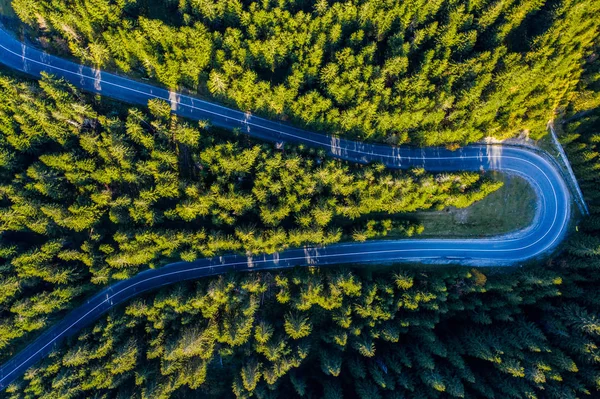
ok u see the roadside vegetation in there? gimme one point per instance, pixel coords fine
(510, 208)
(94, 191)
(530, 332)
(334, 333)
(423, 72)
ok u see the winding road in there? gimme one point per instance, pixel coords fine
(547, 230)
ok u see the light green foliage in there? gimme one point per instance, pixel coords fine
(86, 197)
(297, 326)
(89, 198)
(427, 72)
(473, 335)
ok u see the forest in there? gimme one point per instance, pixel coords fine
(92, 191)
(381, 332)
(442, 72)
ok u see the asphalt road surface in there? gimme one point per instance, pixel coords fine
(547, 230)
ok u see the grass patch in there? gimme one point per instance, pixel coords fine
(6, 10)
(510, 208)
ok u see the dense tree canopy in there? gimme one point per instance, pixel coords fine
(92, 192)
(339, 333)
(442, 72)
(530, 332)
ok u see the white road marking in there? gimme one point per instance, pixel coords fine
(336, 149)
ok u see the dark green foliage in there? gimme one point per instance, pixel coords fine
(227, 336)
(441, 72)
(90, 196)
(92, 193)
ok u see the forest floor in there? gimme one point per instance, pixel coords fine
(510, 208)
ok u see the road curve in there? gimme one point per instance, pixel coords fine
(547, 230)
